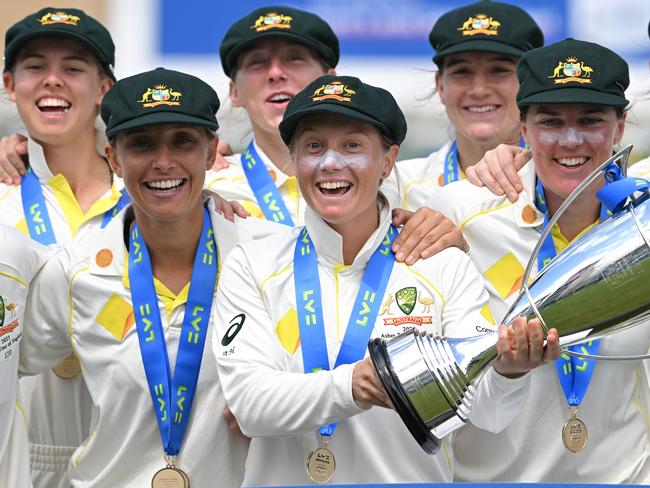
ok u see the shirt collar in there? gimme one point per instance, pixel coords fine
(329, 243)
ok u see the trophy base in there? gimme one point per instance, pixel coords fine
(403, 406)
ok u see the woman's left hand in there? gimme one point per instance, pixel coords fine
(228, 208)
(424, 233)
(367, 389)
(521, 347)
(233, 424)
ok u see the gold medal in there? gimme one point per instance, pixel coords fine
(321, 464)
(185, 477)
(574, 433)
(68, 368)
(170, 477)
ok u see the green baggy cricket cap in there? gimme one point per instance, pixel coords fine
(160, 96)
(572, 71)
(485, 26)
(64, 22)
(348, 96)
(284, 22)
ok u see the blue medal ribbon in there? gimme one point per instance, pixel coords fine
(574, 373)
(452, 171)
(122, 202)
(35, 210)
(266, 193)
(172, 399)
(452, 165)
(38, 218)
(364, 312)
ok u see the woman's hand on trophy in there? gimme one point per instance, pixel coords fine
(367, 389)
(521, 347)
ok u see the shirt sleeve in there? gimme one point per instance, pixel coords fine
(498, 400)
(46, 341)
(264, 395)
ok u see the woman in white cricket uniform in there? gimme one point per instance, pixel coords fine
(140, 321)
(58, 65)
(20, 260)
(309, 299)
(477, 48)
(571, 119)
(270, 55)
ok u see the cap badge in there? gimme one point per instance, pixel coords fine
(160, 95)
(59, 18)
(272, 20)
(336, 90)
(481, 24)
(571, 70)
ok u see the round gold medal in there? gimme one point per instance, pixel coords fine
(574, 434)
(170, 478)
(321, 465)
(187, 479)
(68, 368)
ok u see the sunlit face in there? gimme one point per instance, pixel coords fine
(569, 142)
(479, 90)
(269, 74)
(340, 164)
(163, 167)
(57, 85)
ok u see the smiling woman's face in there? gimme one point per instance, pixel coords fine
(569, 142)
(57, 84)
(340, 164)
(268, 75)
(478, 90)
(163, 167)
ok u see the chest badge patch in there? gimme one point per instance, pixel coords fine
(406, 299)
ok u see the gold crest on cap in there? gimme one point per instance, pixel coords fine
(59, 18)
(336, 90)
(160, 95)
(481, 24)
(571, 70)
(272, 20)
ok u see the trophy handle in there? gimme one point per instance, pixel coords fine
(622, 157)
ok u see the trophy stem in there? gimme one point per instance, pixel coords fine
(430, 380)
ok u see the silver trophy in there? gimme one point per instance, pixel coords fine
(597, 286)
